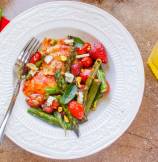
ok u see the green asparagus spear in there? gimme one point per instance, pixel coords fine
(101, 77)
(60, 80)
(73, 121)
(53, 90)
(103, 87)
(98, 96)
(63, 124)
(92, 94)
(95, 68)
(69, 94)
(55, 119)
(70, 59)
(44, 116)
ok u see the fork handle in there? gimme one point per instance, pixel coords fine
(9, 110)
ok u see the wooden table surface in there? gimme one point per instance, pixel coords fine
(140, 142)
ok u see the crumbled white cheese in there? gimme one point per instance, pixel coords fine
(82, 56)
(80, 97)
(50, 100)
(69, 77)
(69, 41)
(48, 59)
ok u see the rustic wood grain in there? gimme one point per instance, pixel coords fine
(140, 142)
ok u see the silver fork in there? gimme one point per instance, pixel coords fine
(19, 70)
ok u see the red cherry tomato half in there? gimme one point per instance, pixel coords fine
(35, 57)
(85, 74)
(76, 109)
(3, 22)
(86, 48)
(55, 104)
(76, 69)
(86, 62)
(35, 100)
(98, 51)
(48, 109)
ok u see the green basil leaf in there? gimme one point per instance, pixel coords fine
(78, 42)
(69, 94)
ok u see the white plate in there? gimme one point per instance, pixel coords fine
(125, 74)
